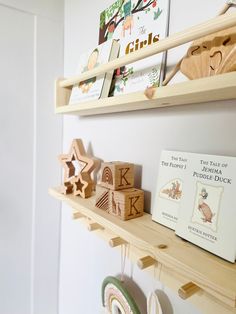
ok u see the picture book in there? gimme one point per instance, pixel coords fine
(95, 87)
(169, 190)
(208, 206)
(136, 24)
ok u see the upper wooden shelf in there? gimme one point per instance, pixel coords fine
(202, 90)
(219, 87)
(212, 274)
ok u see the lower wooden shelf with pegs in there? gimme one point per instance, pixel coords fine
(206, 280)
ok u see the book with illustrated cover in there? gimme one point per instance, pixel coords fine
(136, 24)
(207, 216)
(96, 87)
(169, 191)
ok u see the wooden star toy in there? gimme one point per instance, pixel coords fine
(82, 185)
(67, 188)
(79, 183)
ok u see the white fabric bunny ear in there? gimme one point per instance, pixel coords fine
(153, 304)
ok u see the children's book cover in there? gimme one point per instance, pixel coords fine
(136, 24)
(169, 191)
(207, 216)
(95, 87)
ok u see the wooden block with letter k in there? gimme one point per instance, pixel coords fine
(126, 204)
(117, 175)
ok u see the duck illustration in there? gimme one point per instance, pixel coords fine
(204, 207)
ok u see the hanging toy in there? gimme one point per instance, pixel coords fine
(116, 298)
(153, 304)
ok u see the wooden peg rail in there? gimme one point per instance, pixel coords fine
(158, 244)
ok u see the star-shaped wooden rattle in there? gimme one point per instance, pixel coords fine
(79, 183)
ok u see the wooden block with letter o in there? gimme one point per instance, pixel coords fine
(127, 204)
(102, 198)
(117, 175)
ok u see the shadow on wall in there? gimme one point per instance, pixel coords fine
(138, 184)
(136, 293)
(98, 162)
(165, 302)
(141, 299)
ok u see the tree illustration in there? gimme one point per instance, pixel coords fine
(115, 12)
(154, 76)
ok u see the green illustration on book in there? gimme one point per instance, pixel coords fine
(124, 74)
(136, 24)
(154, 77)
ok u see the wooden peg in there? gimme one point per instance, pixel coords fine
(145, 262)
(94, 226)
(188, 290)
(150, 92)
(116, 242)
(78, 215)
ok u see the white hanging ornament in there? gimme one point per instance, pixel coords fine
(153, 304)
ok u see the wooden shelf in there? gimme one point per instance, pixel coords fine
(219, 87)
(211, 26)
(211, 274)
(198, 91)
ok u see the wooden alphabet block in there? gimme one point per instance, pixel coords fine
(117, 175)
(102, 198)
(127, 204)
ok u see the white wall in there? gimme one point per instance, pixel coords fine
(137, 137)
(31, 48)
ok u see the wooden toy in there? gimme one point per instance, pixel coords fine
(68, 166)
(102, 198)
(117, 175)
(67, 188)
(127, 204)
(116, 297)
(210, 55)
(82, 185)
(77, 181)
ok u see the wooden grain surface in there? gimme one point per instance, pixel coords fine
(219, 87)
(211, 273)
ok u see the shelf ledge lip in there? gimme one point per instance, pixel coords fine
(218, 87)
